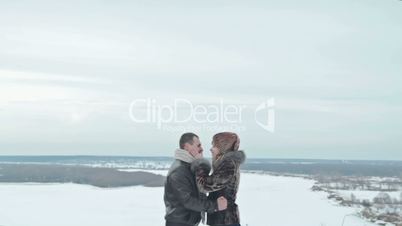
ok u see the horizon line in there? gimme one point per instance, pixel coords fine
(162, 156)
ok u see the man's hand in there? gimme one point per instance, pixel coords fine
(222, 203)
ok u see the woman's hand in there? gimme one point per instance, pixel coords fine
(222, 203)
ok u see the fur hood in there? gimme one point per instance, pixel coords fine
(238, 156)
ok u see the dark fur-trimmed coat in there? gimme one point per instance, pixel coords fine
(224, 181)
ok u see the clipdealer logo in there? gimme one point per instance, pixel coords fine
(182, 111)
(266, 107)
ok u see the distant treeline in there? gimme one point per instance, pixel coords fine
(100, 177)
(324, 167)
(378, 169)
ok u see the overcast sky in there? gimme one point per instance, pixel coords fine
(70, 69)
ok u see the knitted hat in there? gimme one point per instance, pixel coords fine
(226, 141)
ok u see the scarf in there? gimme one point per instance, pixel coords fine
(183, 155)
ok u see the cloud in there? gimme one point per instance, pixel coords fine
(68, 71)
(27, 76)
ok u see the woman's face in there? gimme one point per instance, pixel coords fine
(214, 151)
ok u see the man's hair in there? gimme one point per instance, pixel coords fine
(186, 138)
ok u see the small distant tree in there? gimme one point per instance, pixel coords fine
(360, 183)
(366, 203)
(382, 198)
(400, 197)
(353, 198)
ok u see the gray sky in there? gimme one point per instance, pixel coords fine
(69, 71)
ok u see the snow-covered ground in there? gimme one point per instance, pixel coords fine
(264, 200)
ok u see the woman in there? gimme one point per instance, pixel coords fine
(225, 178)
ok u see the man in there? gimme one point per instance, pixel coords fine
(184, 203)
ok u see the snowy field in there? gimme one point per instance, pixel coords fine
(264, 200)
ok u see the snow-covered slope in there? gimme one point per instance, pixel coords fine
(264, 200)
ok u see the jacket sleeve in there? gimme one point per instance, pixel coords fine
(217, 180)
(181, 187)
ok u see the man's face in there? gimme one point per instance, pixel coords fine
(195, 148)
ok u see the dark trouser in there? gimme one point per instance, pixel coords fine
(176, 224)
